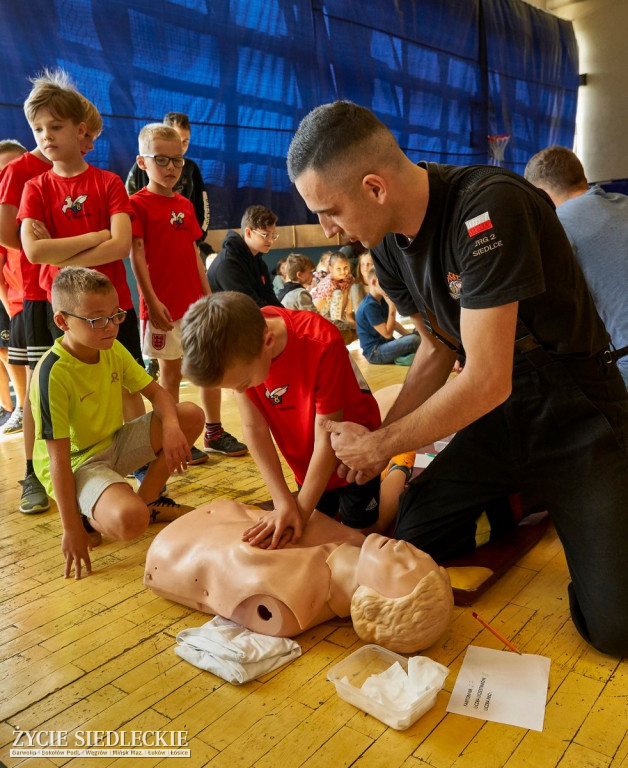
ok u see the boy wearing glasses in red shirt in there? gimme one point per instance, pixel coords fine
(82, 448)
(165, 258)
(240, 265)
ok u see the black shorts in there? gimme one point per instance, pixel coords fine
(17, 341)
(129, 336)
(358, 505)
(41, 331)
(5, 324)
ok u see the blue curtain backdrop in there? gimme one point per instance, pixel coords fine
(442, 74)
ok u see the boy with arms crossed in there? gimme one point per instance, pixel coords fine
(82, 448)
(39, 329)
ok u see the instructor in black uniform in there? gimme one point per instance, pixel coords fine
(478, 259)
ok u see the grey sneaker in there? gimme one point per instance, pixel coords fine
(226, 444)
(34, 498)
(165, 510)
(13, 424)
(4, 415)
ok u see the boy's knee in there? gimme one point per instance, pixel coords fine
(129, 520)
(191, 418)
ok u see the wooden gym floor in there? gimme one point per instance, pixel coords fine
(97, 654)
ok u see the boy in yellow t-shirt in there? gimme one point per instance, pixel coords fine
(83, 450)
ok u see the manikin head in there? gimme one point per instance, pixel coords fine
(404, 600)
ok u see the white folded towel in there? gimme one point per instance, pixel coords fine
(232, 652)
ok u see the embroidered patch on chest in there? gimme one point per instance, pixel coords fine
(276, 396)
(479, 224)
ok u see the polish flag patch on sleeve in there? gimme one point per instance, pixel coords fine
(479, 224)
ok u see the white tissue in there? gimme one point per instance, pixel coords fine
(398, 689)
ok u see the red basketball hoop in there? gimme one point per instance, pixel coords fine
(497, 147)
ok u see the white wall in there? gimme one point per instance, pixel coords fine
(601, 28)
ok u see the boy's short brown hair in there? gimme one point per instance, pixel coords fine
(180, 119)
(155, 131)
(54, 91)
(12, 145)
(220, 331)
(297, 262)
(72, 282)
(92, 118)
(258, 217)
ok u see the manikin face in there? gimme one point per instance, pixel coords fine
(351, 212)
(391, 567)
(57, 139)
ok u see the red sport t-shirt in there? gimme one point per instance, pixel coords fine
(13, 278)
(75, 206)
(313, 375)
(169, 228)
(12, 181)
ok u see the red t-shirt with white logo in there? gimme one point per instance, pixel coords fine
(169, 228)
(313, 375)
(74, 206)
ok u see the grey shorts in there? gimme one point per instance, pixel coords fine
(131, 449)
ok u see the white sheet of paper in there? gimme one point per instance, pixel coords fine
(503, 687)
(422, 460)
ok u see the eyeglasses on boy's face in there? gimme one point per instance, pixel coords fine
(267, 235)
(164, 160)
(98, 323)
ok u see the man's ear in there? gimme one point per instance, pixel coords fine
(375, 187)
(141, 162)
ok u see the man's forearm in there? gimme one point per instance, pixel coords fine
(462, 400)
(427, 374)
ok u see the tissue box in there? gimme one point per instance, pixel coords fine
(373, 660)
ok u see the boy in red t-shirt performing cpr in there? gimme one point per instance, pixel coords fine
(291, 372)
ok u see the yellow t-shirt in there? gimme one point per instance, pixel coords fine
(80, 401)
